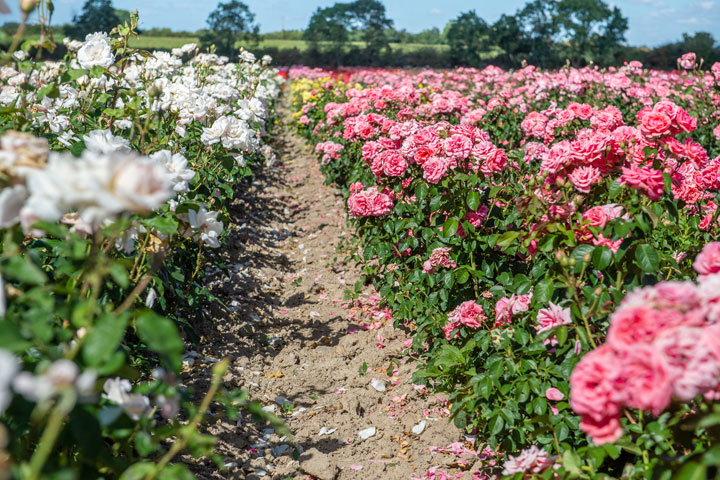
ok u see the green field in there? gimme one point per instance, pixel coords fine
(174, 42)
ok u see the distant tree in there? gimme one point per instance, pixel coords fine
(230, 23)
(96, 16)
(538, 20)
(591, 29)
(368, 17)
(468, 37)
(363, 20)
(508, 34)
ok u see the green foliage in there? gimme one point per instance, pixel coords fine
(468, 37)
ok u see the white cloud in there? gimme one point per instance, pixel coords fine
(435, 11)
(664, 12)
(707, 5)
(688, 21)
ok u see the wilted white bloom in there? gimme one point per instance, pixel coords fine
(103, 141)
(61, 375)
(117, 390)
(177, 165)
(96, 51)
(12, 200)
(206, 225)
(72, 45)
(266, 60)
(20, 55)
(99, 187)
(8, 369)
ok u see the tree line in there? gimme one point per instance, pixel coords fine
(546, 33)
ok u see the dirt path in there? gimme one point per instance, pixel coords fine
(295, 344)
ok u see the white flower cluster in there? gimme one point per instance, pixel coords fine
(110, 179)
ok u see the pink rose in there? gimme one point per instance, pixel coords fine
(655, 124)
(595, 390)
(469, 314)
(435, 169)
(646, 378)
(394, 164)
(458, 147)
(603, 430)
(707, 261)
(583, 178)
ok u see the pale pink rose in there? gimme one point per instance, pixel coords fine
(595, 389)
(435, 169)
(631, 326)
(458, 147)
(692, 364)
(603, 430)
(646, 378)
(553, 394)
(530, 460)
(551, 317)
(655, 124)
(583, 178)
(707, 261)
(394, 164)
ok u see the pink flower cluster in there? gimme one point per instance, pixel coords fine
(663, 344)
(506, 307)
(368, 202)
(440, 257)
(469, 314)
(330, 150)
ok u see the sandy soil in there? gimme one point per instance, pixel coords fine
(295, 344)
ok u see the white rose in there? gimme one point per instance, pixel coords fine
(96, 51)
(102, 141)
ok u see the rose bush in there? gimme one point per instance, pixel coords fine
(116, 169)
(503, 216)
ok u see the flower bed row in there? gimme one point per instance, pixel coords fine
(536, 231)
(116, 169)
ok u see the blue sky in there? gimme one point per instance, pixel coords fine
(652, 22)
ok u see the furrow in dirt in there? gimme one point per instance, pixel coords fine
(308, 355)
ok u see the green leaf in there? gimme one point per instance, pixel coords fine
(450, 227)
(22, 269)
(104, 338)
(543, 291)
(691, 471)
(164, 225)
(647, 258)
(421, 193)
(507, 238)
(572, 463)
(473, 200)
(161, 335)
(602, 257)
